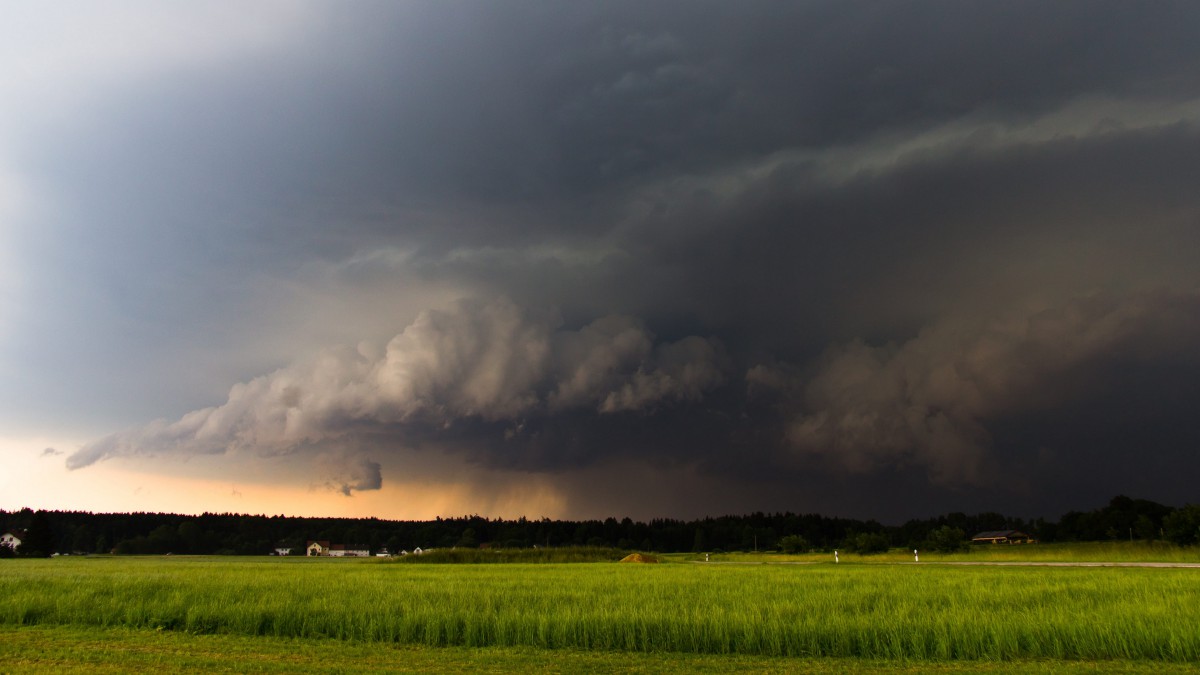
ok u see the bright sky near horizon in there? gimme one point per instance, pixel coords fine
(598, 258)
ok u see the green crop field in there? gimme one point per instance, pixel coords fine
(674, 616)
(1077, 552)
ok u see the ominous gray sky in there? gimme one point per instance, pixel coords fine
(600, 258)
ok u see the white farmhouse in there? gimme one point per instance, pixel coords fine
(11, 539)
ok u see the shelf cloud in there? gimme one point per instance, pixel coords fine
(492, 362)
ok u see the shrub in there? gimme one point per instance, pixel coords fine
(947, 539)
(1182, 526)
(868, 543)
(793, 543)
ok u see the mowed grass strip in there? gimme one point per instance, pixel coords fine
(924, 613)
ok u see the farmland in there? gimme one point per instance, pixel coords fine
(928, 613)
(1075, 552)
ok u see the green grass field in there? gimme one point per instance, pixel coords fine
(1137, 551)
(607, 616)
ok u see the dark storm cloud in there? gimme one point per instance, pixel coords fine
(928, 401)
(900, 220)
(802, 262)
(379, 120)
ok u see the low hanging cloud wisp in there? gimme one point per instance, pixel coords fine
(348, 473)
(486, 361)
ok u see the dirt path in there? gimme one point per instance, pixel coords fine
(994, 563)
(756, 562)
(1067, 564)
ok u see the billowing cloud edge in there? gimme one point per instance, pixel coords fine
(491, 361)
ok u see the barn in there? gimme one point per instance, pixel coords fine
(1002, 537)
(324, 548)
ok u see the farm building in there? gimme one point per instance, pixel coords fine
(1002, 537)
(340, 551)
(12, 539)
(324, 548)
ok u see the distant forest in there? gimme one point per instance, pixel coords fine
(75, 532)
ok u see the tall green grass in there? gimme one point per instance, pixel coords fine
(933, 613)
(55, 650)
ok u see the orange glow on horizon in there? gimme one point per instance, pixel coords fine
(40, 481)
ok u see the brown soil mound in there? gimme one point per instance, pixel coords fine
(639, 558)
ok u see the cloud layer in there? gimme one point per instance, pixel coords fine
(941, 240)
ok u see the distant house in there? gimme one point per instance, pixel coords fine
(324, 548)
(12, 539)
(283, 551)
(1002, 537)
(416, 551)
(343, 551)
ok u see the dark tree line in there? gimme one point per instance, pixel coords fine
(47, 532)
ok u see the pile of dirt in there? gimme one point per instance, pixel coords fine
(639, 558)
